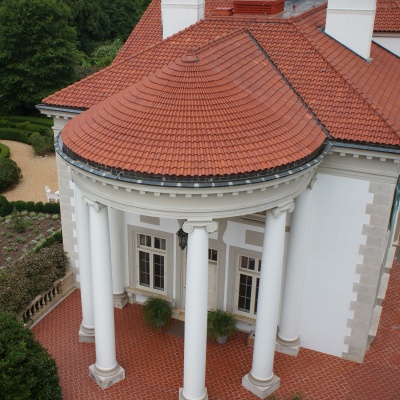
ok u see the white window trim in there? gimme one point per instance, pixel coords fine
(151, 251)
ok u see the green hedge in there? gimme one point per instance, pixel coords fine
(56, 237)
(4, 151)
(27, 371)
(6, 206)
(10, 173)
(17, 135)
(34, 131)
(30, 276)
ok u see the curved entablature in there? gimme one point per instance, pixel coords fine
(194, 181)
(190, 201)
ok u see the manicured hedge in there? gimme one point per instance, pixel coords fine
(10, 173)
(30, 276)
(34, 131)
(27, 371)
(4, 151)
(56, 237)
(5, 206)
(17, 135)
(48, 208)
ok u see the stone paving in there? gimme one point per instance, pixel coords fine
(154, 361)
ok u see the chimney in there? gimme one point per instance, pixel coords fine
(177, 15)
(351, 22)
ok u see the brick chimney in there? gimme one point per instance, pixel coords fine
(351, 22)
(177, 15)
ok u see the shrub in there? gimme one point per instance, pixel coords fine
(30, 206)
(19, 205)
(41, 144)
(220, 324)
(10, 173)
(39, 207)
(18, 135)
(51, 208)
(56, 237)
(30, 276)
(4, 151)
(27, 371)
(5, 206)
(157, 312)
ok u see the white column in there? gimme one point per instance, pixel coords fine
(106, 371)
(117, 240)
(196, 310)
(261, 379)
(289, 327)
(86, 330)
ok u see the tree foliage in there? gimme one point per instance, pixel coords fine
(37, 51)
(27, 371)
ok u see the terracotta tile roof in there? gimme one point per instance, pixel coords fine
(203, 114)
(387, 17)
(147, 32)
(353, 99)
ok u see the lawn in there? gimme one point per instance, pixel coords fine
(23, 231)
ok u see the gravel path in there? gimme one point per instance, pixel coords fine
(37, 173)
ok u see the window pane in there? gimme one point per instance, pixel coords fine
(159, 243)
(212, 255)
(259, 265)
(245, 284)
(252, 264)
(144, 268)
(158, 265)
(244, 261)
(256, 299)
(145, 240)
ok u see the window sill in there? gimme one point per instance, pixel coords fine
(147, 293)
(242, 318)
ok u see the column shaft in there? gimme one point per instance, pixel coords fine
(106, 370)
(117, 241)
(289, 326)
(86, 331)
(196, 315)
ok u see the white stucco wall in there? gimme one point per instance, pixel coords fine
(338, 216)
(390, 43)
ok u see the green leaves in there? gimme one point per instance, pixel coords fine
(37, 51)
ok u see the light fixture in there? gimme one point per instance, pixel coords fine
(183, 238)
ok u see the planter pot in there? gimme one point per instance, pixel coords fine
(222, 339)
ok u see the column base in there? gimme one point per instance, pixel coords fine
(86, 335)
(263, 389)
(182, 397)
(120, 300)
(106, 379)
(290, 348)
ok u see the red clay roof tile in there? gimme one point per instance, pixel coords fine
(355, 100)
(195, 100)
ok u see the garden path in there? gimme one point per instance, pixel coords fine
(37, 173)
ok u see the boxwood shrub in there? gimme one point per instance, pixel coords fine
(23, 280)
(27, 371)
(10, 173)
(18, 135)
(5, 206)
(4, 151)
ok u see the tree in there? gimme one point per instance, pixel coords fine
(37, 51)
(27, 371)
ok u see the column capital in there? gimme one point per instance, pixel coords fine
(210, 226)
(277, 211)
(91, 203)
(311, 184)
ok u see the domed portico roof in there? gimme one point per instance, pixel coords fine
(222, 110)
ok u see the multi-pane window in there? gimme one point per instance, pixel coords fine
(247, 285)
(152, 262)
(212, 255)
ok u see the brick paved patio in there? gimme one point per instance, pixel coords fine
(154, 361)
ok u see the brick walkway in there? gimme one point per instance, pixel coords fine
(154, 361)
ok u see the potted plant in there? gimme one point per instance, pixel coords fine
(220, 325)
(157, 312)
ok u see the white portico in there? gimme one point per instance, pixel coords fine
(201, 208)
